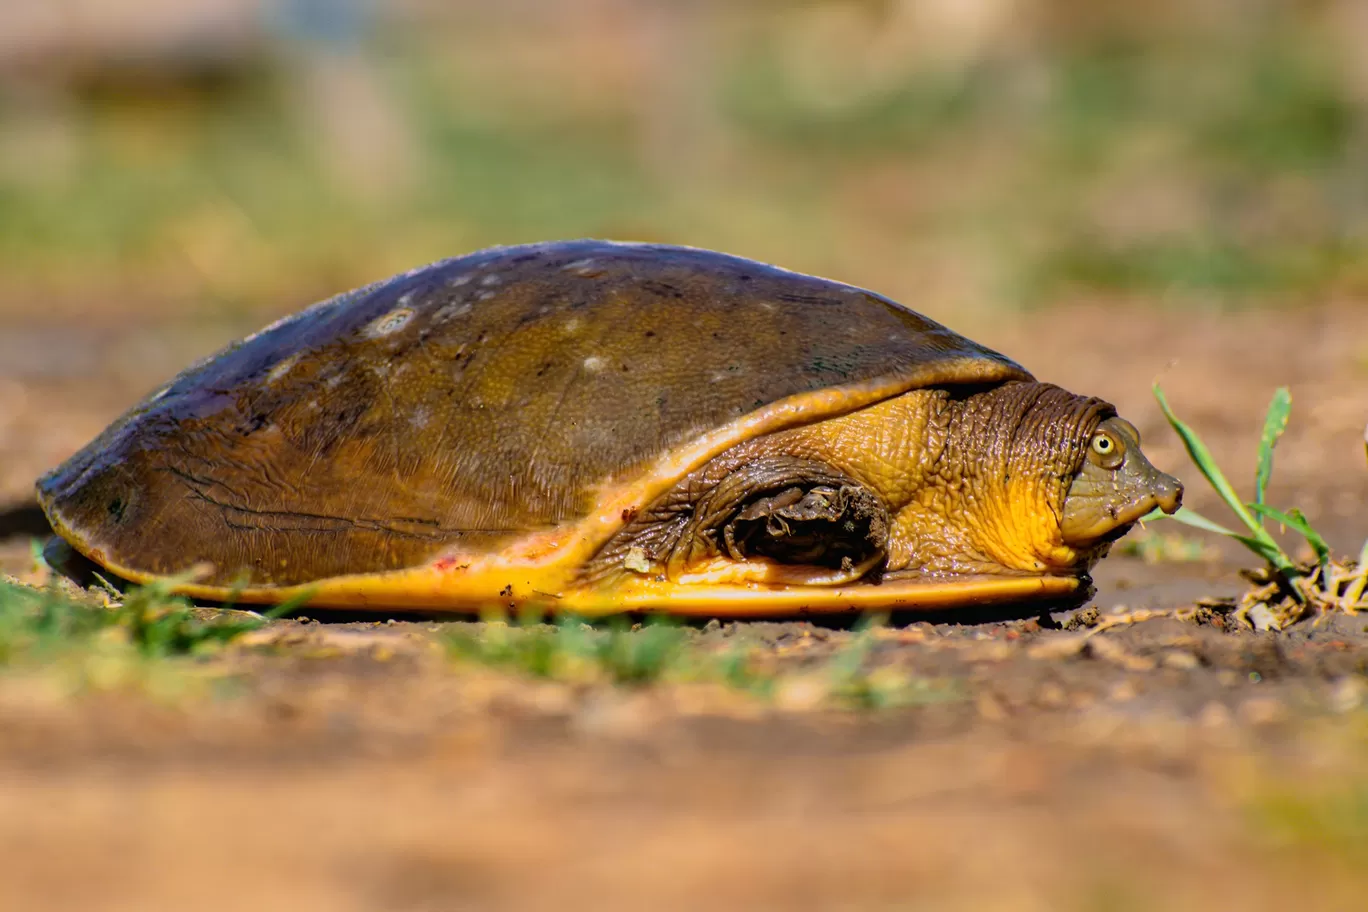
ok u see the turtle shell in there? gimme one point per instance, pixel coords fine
(459, 407)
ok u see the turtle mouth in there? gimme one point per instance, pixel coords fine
(1109, 527)
(1095, 521)
(1107, 539)
(1126, 518)
(1115, 535)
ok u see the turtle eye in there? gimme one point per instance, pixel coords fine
(1106, 450)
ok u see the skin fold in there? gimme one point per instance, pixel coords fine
(1021, 478)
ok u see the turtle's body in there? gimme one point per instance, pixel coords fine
(598, 427)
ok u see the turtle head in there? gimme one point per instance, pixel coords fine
(1115, 487)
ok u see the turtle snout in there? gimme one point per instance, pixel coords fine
(1167, 493)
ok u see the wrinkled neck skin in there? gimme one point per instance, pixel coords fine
(1016, 449)
(975, 481)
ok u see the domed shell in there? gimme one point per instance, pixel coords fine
(463, 405)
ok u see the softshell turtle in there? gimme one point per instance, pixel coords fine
(597, 427)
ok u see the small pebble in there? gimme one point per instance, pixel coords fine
(1347, 694)
(1122, 692)
(989, 708)
(1261, 711)
(1264, 619)
(1107, 649)
(1214, 715)
(1180, 659)
(801, 693)
(1051, 695)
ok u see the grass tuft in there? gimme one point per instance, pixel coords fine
(1286, 591)
(573, 651)
(662, 653)
(38, 624)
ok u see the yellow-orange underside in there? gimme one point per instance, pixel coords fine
(543, 567)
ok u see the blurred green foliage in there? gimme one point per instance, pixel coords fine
(1209, 153)
(147, 623)
(1330, 821)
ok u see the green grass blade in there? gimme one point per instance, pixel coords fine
(1275, 422)
(1191, 518)
(1313, 538)
(1201, 456)
(1294, 519)
(1273, 555)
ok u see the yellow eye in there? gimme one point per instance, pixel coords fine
(1103, 445)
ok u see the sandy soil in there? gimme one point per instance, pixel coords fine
(1166, 764)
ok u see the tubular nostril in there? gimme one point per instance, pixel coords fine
(1169, 493)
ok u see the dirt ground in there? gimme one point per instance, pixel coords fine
(347, 765)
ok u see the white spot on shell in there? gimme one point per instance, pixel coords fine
(458, 281)
(491, 279)
(281, 369)
(732, 371)
(420, 417)
(587, 267)
(572, 325)
(486, 295)
(391, 322)
(769, 306)
(347, 297)
(594, 364)
(333, 381)
(452, 311)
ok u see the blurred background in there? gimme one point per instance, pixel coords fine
(241, 156)
(1108, 191)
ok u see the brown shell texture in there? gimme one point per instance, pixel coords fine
(465, 403)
